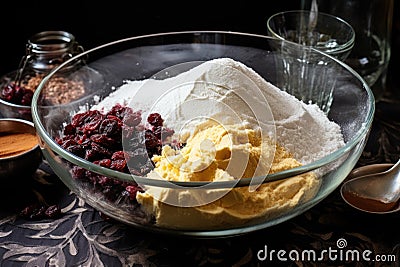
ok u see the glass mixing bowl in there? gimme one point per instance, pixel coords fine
(109, 66)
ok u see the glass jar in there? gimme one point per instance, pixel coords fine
(44, 51)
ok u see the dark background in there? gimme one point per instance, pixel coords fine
(97, 22)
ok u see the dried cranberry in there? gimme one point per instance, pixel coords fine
(67, 142)
(28, 210)
(155, 119)
(135, 171)
(69, 129)
(104, 180)
(111, 192)
(104, 163)
(78, 172)
(132, 190)
(53, 212)
(133, 119)
(26, 99)
(17, 94)
(118, 110)
(91, 117)
(151, 140)
(118, 155)
(78, 119)
(118, 165)
(111, 127)
(38, 211)
(8, 93)
(104, 140)
(76, 150)
(83, 140)
(92, 127)
(97, 137)
(97, 152)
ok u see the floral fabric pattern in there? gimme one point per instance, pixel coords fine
(82, 236)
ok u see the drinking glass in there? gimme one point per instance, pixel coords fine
(311, 31)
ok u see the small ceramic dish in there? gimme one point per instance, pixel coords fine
(20, 154)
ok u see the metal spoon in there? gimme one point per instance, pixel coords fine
(374, 192)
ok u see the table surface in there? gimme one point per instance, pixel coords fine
(83, 237)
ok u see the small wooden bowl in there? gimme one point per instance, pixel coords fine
(24, 164)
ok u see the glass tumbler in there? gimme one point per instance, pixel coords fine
(311, 31)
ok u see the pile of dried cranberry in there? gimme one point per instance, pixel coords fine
(40, 211)
(98, 138)
(16, 94)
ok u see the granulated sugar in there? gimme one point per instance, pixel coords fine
(303, 129)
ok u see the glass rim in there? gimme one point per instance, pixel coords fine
(143, 180)
(343, 47)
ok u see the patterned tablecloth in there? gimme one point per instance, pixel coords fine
(83, 237)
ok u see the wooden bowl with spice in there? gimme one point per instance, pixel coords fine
(20, 154)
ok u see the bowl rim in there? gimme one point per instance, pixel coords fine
(23, 154)
(143, 180)
(6, 103)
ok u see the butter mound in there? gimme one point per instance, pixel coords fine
(228, 152)
(236, 149)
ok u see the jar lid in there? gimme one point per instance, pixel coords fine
(46, 50)
(50, 42)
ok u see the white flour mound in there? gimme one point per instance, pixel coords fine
(303, 129)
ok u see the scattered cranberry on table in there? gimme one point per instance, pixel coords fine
(38, 211)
